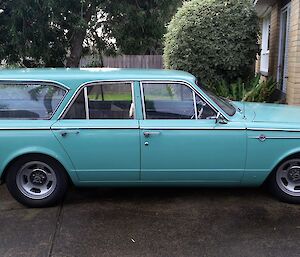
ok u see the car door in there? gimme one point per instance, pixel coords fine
(100, 133)
(181, 141)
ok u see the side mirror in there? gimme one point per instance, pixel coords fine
(220, 119)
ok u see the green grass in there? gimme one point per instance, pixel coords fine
(112, 97)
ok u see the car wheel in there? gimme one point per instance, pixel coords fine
(285, 181)
(37, 182)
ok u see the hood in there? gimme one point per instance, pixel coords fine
(261, 112)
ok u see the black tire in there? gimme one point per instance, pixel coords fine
(277, 190)
(59, 190)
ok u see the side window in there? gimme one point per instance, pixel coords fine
(29, 100)
(104, 101)
(204, 111)
(77, 109)
(173, 101)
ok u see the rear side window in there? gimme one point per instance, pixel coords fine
(29, 100)
(103, 101)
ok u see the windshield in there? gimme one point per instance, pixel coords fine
(223, 103)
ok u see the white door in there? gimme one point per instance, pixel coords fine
(282, 74)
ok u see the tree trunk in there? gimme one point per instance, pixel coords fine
(77, 42)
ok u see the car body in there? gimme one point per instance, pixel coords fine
(129, 127)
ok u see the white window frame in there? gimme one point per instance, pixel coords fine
(265, 51)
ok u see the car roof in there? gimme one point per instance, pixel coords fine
(73, 78)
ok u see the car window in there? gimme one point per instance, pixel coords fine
(77, 109)
(173, 101)
(29, 100)
(104, 101)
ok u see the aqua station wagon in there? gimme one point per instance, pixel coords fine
(118, 127)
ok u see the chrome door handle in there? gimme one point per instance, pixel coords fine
(148, 134)
(66, 132)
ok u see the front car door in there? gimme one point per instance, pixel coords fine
(181, 141)
(100, 133)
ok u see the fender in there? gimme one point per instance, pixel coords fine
(57, 154)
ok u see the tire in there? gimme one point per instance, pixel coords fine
(284, 182)
(37, 181)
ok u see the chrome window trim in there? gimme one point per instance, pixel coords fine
(46, 82)
(195, 106)
(133, 100)
(86, 103)
(194, 90)
(92, 83)
(132, 80)
(59, 84)
(143, 100)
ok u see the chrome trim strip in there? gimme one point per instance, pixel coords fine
(86, 84)
(133, 100)
(97, 127)
(191, 128)
(258, 137)
(24, 128)
(143, 100)
(195, 106)
(273, 129)
(59, 84)
(86, 104)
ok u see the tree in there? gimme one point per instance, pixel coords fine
(213, 39)
(54, 33)
(139, 25)
(31, 36)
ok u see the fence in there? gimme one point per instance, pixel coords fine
(124, 61)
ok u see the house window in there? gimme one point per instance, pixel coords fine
(264, 61)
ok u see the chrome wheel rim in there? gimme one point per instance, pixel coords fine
(36, 180)
(288, 177)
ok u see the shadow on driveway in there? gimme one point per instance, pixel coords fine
(152, 222)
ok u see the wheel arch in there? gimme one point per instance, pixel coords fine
(33, 155)
(290, 155)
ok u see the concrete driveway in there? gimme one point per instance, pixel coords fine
(152, 222)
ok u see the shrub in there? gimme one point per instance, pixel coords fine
(213, 39)
(262, 92)
(254, 90)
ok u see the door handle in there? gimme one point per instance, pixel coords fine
(66, 132)
(148, 133)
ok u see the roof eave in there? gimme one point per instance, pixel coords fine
(263, 7)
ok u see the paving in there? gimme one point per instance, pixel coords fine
(152, 222)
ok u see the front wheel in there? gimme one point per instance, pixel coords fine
(37, 181)
(284, 182)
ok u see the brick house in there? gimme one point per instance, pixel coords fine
(280, 44)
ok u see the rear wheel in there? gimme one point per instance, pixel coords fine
(285, 181)
(37, 181)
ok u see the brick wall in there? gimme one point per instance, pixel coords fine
(274, 41)
(293, 87)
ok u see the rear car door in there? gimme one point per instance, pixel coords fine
(100, 133)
